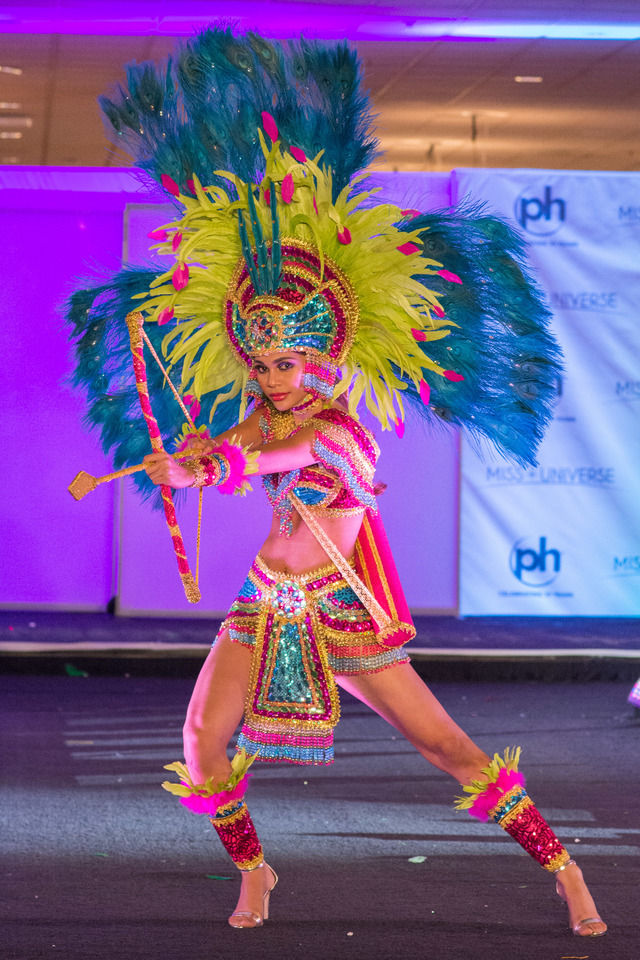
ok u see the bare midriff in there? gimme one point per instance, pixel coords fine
(301, 553)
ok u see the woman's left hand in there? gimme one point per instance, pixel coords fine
(163, 470)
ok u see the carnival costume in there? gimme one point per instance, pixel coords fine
(277, 246)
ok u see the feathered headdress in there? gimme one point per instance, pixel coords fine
(277, 245)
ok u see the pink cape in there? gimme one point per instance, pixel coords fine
(376, 568)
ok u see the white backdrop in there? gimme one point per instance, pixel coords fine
(564, 538)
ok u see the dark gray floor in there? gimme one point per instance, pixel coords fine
(98, 862)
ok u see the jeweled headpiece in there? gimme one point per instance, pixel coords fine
(313, 310)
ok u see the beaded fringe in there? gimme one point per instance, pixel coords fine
(287, 747)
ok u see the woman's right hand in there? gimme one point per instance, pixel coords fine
(163, 470)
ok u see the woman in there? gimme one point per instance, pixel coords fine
(294, 289)
(394, 691)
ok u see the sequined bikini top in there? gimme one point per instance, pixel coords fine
(340, 483)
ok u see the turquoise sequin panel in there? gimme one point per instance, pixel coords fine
(309, 496)
(345, 595)
(289, 683)
(312, 326)
(248, 591)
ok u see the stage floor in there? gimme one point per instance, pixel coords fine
(374, 862)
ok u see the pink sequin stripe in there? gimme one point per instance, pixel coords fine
(343, 453)
(359, 434)
(345, 626)
(296, 742)
(323, 581)
(321, 740)
(341, 322)
(320, 371)
(262, 577)
(320, 674)
(533, 833)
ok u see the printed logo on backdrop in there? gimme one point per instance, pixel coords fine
(586, 301)
(540, 211)
(626, 566)
(534, 563)
(627, 390)
(629, 215)
(506, 476)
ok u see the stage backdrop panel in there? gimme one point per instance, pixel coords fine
(55, 225)
(564, 538)
(419, 508)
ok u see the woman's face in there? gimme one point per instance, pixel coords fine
(280, 377)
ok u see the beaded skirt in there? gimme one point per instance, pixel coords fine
(303, 630)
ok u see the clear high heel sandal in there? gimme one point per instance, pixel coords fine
(250, 918)
(580, 926)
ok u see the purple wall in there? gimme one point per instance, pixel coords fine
(56, 223)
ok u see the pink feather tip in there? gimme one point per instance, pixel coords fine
(418, 334)
(180, 276)
(447, 275)
(191, 186)
(169, 184)
(165, 315)
(408, 249)
(237, 465)
(193, 403)
(492, 795)
(269, 124)
(425, 392)
(177, 240)
(288, 188)
(211, 804)
(159, 235)
(437, 309)
(267, 196)
(399, 425)
(344, 235)
(410, 213)
(453, 376)
(298, 154)
(315, 207)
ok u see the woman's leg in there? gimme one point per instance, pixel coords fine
(215, 710)
(404, 700)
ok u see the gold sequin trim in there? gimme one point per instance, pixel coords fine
(513, 813)
(226, 821)
(561, 860)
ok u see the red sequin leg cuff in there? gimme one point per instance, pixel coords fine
(527, 826)
(238, 835)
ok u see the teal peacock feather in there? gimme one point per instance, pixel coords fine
(501, 341)
(103, 372)
(200, 111)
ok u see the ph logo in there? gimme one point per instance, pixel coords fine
(540, 216)
(534, 566)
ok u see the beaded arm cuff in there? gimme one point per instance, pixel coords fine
(207, 470)
(226, 467)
